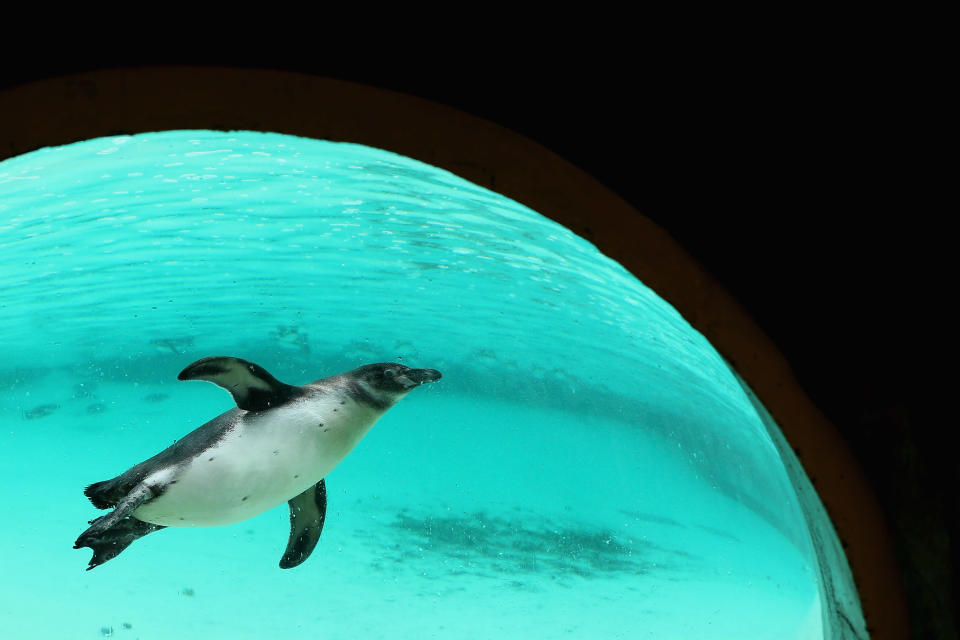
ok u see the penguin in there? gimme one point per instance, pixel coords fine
(276, 446)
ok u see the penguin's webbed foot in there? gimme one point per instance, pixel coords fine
(108, 543)
(110, 534)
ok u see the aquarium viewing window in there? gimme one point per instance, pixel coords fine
(588, 467)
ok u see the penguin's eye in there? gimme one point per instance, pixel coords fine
(389, 373)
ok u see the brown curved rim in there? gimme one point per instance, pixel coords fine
(126, 101)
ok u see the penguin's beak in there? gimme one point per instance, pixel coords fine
(423, 376)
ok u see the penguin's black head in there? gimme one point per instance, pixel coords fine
(390, 378)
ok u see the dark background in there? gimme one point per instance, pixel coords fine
(793, 181)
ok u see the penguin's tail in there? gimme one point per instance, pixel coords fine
(100, 494)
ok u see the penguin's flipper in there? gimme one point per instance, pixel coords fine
(307, 513)
(110, 534)
(251, 386)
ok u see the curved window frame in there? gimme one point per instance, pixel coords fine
(129, 101)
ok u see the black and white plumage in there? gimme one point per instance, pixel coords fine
(276, 446)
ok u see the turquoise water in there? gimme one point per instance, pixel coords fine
(588, 467)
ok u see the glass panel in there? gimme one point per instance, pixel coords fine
(587, 467)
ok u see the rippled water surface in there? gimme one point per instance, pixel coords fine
(588, 467)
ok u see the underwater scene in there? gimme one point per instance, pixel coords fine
(587, 466)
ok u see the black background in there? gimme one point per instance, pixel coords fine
(792, 179)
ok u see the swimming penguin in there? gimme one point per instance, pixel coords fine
(275, 447)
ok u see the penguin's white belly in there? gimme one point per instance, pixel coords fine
(267, 459)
